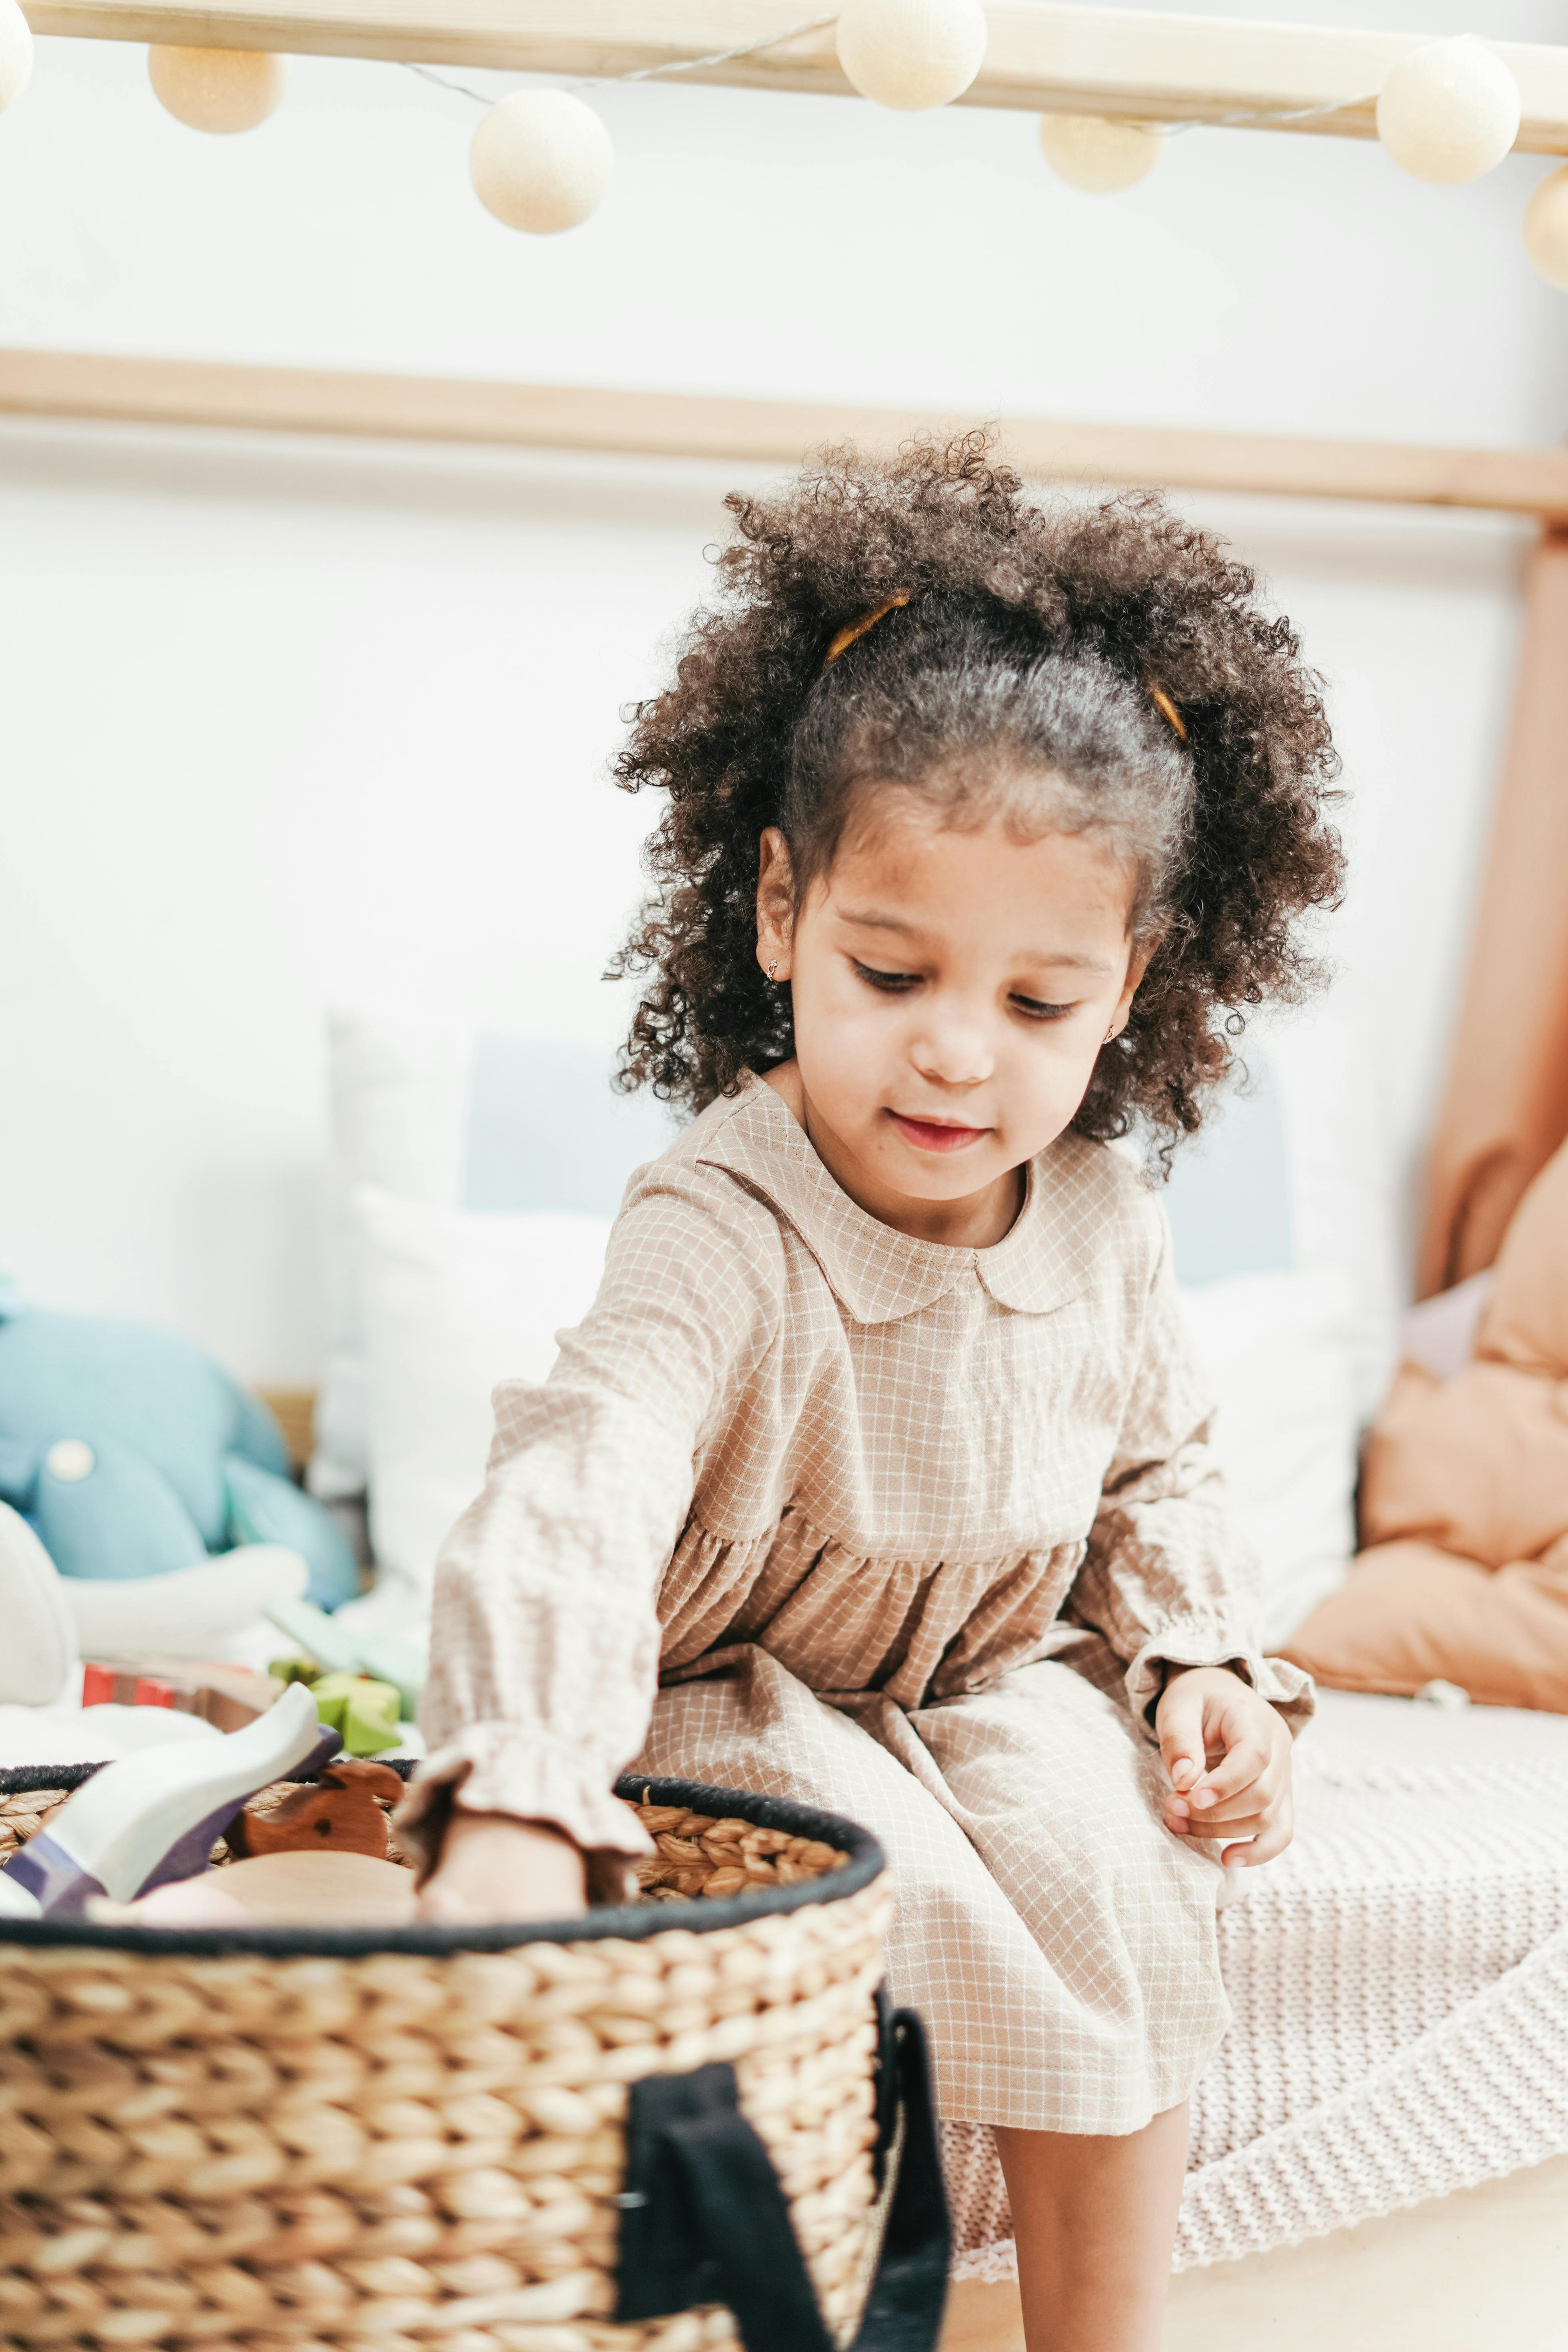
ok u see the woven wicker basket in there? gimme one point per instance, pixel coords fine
(619, 2134)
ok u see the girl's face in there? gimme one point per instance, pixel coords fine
(950, 994)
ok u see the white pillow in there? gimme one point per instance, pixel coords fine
(1282, 1351)
(453, 1303)
(398, 1090)
(459, 1118)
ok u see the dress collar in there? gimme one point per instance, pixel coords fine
(880, 1274)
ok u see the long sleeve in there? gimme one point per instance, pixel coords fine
(1169, 1578)
(546, 1635)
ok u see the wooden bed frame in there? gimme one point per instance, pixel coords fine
(112, 388)
(1317, 81)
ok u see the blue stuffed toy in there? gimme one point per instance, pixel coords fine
(131, 1453)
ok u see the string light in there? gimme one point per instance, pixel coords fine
(1101, 157)
(541, 160)
(16, 52)
(911, 54)
(1546, 228)
(1449, 111)
(218, 89)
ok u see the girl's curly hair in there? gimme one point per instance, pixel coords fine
(1100, 666)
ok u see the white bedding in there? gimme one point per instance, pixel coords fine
(1399, 1981)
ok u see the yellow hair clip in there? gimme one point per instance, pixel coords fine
(852, 630)
(1167, 709)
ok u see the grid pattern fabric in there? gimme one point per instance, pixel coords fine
(864, 1503)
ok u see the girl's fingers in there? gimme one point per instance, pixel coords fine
(1258, 1797)
(1181, 1726)
(1243, 1764)
(1218, 1832)
(1265, 1846)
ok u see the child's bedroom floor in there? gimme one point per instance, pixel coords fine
(1464, 2273)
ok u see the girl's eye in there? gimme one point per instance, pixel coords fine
(891, 984)
(1032, 1009)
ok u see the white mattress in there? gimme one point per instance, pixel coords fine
(1399, 1979)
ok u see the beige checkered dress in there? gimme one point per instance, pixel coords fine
(905, 1531)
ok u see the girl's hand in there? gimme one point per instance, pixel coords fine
(491, 1867)
(1228, 1755)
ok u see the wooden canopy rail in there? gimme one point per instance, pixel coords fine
(686, 425)
(1043, 59)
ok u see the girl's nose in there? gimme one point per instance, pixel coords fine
(954, 1051)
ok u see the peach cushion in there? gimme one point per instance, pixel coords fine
(1464, 1573)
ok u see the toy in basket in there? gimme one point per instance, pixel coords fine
(646, 2129)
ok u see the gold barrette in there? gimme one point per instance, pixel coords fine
(854, 629)
(1167, 709)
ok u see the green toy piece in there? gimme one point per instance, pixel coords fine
(365, 1714)
(295, 1670)
(345, 1650)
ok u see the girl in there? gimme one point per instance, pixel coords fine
(876, 1477)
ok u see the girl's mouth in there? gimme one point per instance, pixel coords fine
(935, 1134)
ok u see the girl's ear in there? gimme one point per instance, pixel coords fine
(1138, 963)
(775, 904)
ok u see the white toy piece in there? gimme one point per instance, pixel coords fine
(111, 1730)
(38, 1655)
(16, 52)
(218, 89)
(911, 54)
(541, 160)
(190, 1612)
(1099, 156)
(1450, 111)
(152, 1817)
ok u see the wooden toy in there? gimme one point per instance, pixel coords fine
(339, 1814)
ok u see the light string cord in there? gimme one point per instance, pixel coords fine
(641, 73)
(1243, 120)
(1262, 116)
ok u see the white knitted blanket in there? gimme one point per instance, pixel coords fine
(1399, 1981)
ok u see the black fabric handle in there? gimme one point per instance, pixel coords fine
(705, 2220)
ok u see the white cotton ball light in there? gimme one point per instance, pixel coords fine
(911, 54)
(218, 89)
(1450, 111)
(16, 52)
(541, 160)
(1546, 228)
(1101, 157)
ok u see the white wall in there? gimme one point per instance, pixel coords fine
(290, 724)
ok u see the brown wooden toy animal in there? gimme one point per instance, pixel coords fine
(336, 1815)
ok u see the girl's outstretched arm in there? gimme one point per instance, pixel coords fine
(546, 1635)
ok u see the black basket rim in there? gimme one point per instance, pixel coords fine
(622, 1922)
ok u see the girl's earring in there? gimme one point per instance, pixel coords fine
(773, 967)
(1110, 1034)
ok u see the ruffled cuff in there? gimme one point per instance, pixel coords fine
(1285, 1687)
(509, 1768)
